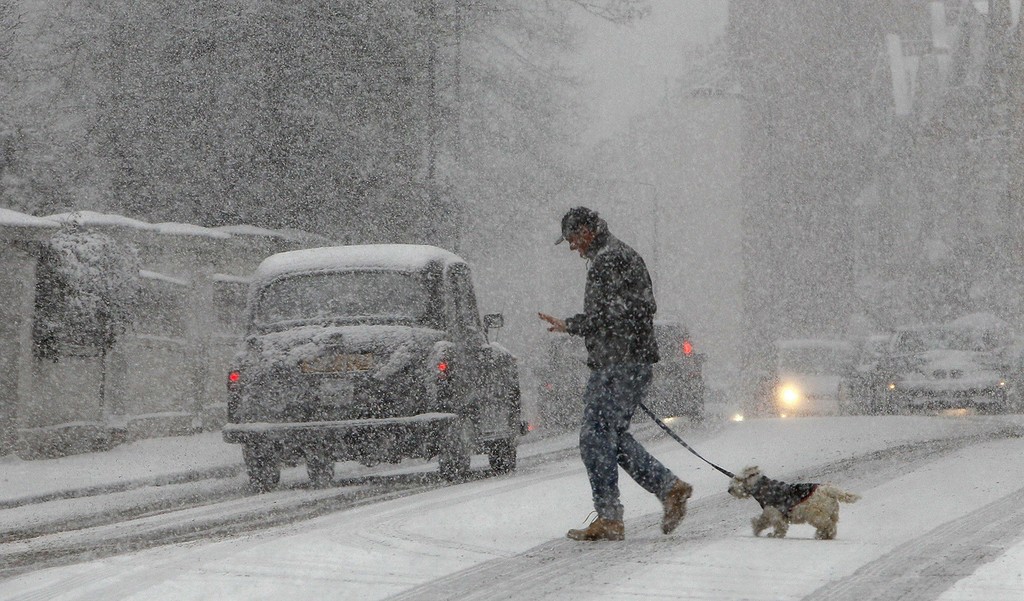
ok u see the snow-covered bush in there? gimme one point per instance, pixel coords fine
(86, 286)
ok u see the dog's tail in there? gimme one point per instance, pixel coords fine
(837, 493)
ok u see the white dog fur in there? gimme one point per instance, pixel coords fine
(820, 509)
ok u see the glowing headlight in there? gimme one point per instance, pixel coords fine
(790, 395)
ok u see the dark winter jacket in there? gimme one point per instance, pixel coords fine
(781, 495)
(618, 306)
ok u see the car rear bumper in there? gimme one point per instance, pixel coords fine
(356, 432)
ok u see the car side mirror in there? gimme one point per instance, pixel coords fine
(494, 320)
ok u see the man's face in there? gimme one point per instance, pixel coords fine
(580, 240)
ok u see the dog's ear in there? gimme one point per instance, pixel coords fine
(751, 471)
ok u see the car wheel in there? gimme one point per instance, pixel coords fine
(502, 456)
(262, 466)
(455, 456)
(320, 469)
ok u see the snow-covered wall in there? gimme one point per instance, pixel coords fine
(21, 237)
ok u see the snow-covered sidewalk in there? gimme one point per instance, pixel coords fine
(146, 462)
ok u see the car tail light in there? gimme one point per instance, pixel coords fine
(234, 376)
(442, 369)
(687, 348)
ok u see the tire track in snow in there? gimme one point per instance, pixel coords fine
(923, 568)
(558, 568)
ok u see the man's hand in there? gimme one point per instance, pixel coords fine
(557, 325)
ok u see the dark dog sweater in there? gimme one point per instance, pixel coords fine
(781, 495)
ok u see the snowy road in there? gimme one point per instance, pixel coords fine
(940, 518)
(48, 530)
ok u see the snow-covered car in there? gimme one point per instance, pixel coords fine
(677, 388)
(956, 365)
(371, 353)
(808, 375)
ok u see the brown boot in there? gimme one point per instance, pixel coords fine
(675, 505)
(600, 529)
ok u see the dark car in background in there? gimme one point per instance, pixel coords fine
(677, 390)
(961, 364)
(562, 377)
(369, 353)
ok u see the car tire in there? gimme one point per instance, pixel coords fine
(454, 458)
(262, 467)
(502, 456)
(320, 469)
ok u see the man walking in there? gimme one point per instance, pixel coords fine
(617, 325)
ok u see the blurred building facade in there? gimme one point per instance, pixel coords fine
(882, 143)
(166, 374)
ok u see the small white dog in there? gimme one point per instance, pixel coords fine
(784, 504)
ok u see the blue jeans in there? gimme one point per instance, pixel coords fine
(611, 397)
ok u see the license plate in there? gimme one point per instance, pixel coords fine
(491, 418)
(347, 362)
(336, 391)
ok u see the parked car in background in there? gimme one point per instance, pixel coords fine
(808, 372)
(956, 365)
(863, 388)
(369, 353)
(677, 390)
(562, 378)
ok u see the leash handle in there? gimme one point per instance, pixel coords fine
(680, 440)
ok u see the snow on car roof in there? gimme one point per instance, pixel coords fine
(162, 277)
(227, 277)
(979, 321)
(243, 229)
(798, 343)
(188, 229)
(92, 218)
(9, 218)
(402, 257)
(971, 321)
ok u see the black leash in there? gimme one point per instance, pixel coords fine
(680, 440)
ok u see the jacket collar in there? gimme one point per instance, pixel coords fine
(599, 245)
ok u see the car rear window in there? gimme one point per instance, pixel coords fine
(384, 296)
